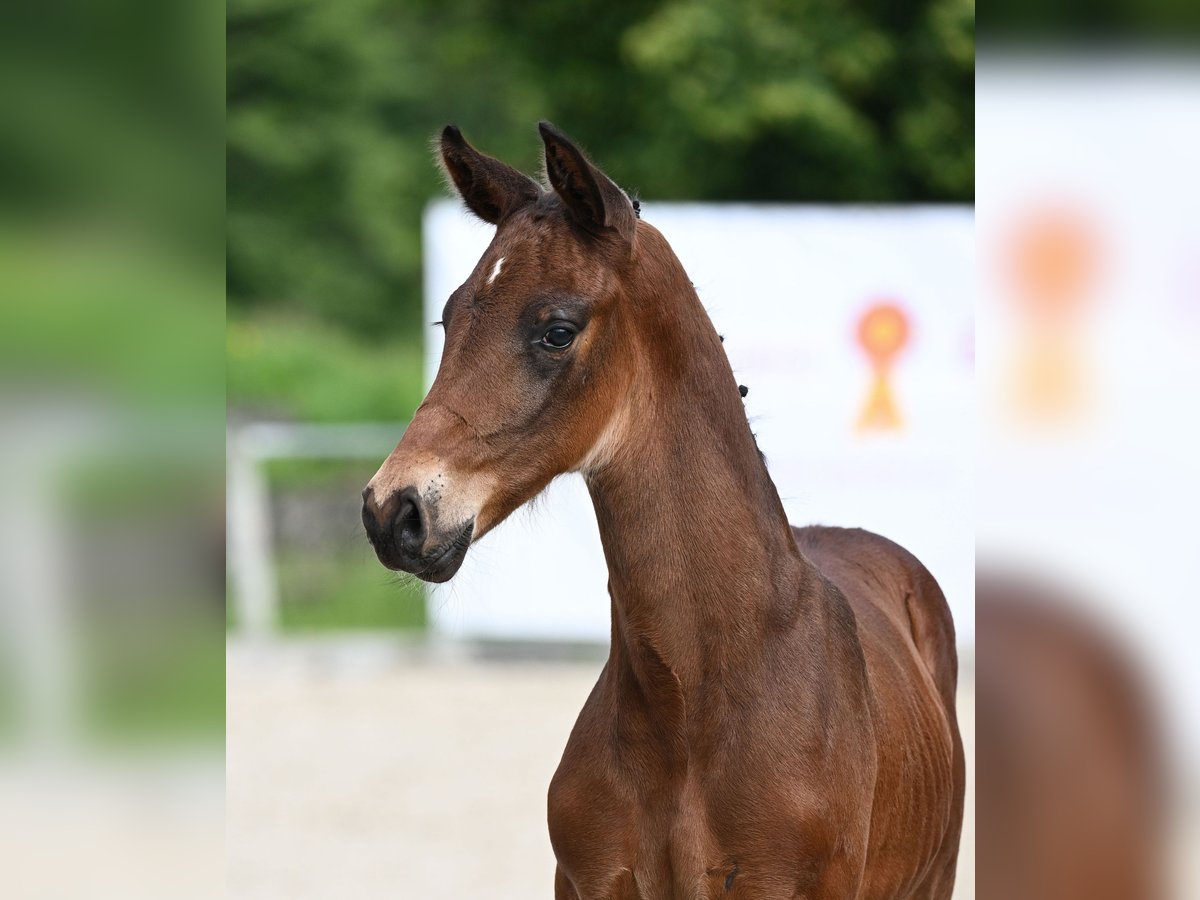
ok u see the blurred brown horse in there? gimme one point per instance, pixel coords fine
(776, 717)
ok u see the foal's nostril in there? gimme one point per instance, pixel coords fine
(409, 525)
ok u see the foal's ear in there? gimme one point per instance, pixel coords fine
(491, 189)
(593, 199)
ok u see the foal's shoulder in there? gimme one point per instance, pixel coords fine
(871, 569)
(856, 549)
(853, 544)
(877, 574)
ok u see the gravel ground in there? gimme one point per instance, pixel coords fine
(365, 770)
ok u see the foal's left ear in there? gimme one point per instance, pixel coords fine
(593, 199)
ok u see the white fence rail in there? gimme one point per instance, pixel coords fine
(252, 570)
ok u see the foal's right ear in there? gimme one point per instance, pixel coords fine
(491, 189)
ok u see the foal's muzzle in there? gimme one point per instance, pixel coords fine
(404, 538)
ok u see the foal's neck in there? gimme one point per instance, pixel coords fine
(703, 568)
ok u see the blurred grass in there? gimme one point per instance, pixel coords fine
(154, 683)
(146, 521)
(86, 305)
(346, 592)
(347, 475)
(293, 366)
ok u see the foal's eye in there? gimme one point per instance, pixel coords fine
(559, 337)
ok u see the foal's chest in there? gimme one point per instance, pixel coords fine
(658, 848)
(614, 842)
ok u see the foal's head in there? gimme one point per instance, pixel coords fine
(540, 351)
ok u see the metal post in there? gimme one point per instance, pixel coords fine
(251, 563)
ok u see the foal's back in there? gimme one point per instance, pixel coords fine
(907, 636)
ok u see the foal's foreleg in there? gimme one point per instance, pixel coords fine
(563, 889)
(622, 887)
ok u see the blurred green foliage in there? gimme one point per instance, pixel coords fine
(332, 105)
(154, 682)
(111, 177)
(97, 305)
(112, 394)
(318, 373)
(323, 593)
(1148, 25)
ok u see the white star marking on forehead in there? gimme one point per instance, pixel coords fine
(495, 270)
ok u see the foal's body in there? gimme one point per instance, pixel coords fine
(726, 795)
(776, 717)
(753, 668)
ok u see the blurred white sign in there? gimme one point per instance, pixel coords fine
(853, 329)
(1090, 295)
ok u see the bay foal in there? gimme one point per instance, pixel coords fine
(776, 717)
